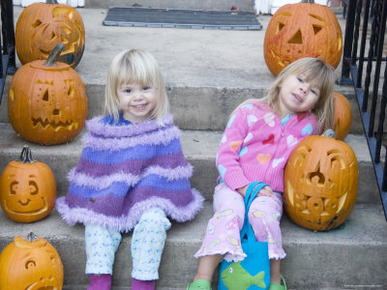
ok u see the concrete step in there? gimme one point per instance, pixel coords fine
(200, 148)
(352, 255)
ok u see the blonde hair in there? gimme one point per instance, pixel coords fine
(139, 67)
(318, 74)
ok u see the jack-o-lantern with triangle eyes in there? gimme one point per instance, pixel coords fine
(27, 189)
(42, 26)
(30, 262)
(321, 182)
(302, 30)
(47, 101)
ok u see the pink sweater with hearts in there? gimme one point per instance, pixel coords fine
(256, 145)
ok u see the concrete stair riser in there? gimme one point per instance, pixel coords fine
(203, 108)
(222, 5)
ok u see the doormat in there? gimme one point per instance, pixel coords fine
(176, 18)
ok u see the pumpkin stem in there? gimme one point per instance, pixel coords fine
(53, 57)
(31, 237)
(329, 133)
(52, 2)
(26, 155)
(308, 1)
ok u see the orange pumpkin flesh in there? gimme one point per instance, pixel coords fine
(343, 116)
(40, 27)
(47, 104)
(27, 189)
(302, 30)
(30, 263)
(321, 182)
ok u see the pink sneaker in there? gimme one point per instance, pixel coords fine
(100, 282)
(143, 285)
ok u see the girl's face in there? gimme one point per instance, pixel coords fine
(137, 101)
(296, 96)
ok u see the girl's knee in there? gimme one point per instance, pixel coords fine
(155, 218)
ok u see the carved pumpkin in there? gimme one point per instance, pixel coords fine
(47, 101)
(302, 30)
(343, 116)
(30, 263)
(321, 182)
(40, 27)
(27, 189)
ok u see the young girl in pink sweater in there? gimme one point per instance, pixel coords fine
(256, 144)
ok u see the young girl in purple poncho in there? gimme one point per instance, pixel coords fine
(256, 144)
(131, 175)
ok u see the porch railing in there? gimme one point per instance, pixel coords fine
(7, 43)
(364, 67)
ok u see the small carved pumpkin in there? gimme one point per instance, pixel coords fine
(30, 263)
(343, 116)
(302, 30)
(40, 27)
(47, 101)
(321, 182)
(27, 189)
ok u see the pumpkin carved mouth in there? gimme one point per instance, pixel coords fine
(44, 208)
(36, 286)
(69, 125)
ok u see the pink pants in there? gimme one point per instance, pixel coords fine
(222, 235)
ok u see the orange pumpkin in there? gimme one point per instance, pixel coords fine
(321, 182)
(343, 116)
(30, 263)
(47, 101)
(27, 189)
(40, 27)
(302, 30)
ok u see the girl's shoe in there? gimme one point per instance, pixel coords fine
(143, 285)
(282, 286)
(199, 285)
(100, 282)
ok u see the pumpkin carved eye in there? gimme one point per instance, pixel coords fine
(30, 264)
(33, 186)
(14, 187)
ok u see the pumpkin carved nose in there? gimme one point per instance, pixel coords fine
(296, 38)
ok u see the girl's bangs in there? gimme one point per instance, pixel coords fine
(134, 74)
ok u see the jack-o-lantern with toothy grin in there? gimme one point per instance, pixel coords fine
(47, 101)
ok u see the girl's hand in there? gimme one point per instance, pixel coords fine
(266, 191)
(242, 190)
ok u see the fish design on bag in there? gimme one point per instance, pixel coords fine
(236, 277)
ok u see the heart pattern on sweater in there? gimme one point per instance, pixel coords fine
(234, 145)
(263, 158)
(269, 119)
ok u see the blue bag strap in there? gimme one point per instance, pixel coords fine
(251, 193)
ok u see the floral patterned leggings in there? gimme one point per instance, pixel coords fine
(222, 235)
(147, 246)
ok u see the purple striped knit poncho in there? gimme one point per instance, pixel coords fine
(125, 170)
